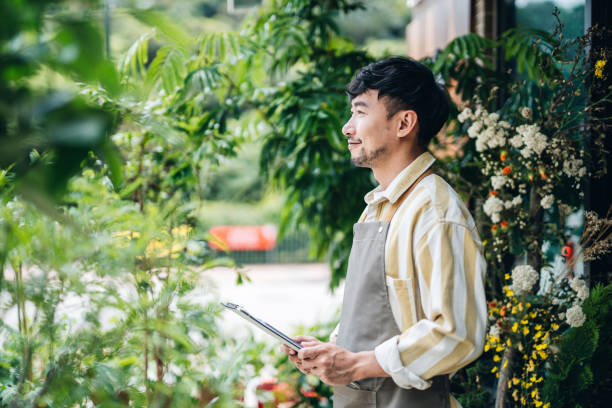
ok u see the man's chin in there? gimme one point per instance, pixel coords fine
(360, 161)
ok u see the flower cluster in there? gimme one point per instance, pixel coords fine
(527, 169)
(524, 277)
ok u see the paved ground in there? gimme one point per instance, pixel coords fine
(282, 295)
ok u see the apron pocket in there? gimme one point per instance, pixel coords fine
(345, 397)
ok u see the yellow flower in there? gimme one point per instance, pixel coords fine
(541, 346)
(543, 355)
(487, 347)
(496, 358)
(181, 230)
(525, 330)
(538, 327)
(599, 66)
(499, 348)
(533, 315)
(547, 405)
(538, 403)
(524, 322)
(538, 334)
(508, 342)
(515, 327)
(515, 380)
(554, 326)
(505, 364)
(523, 401)
(507, 276)
(515, 394)
(494, 369)
(520, 307)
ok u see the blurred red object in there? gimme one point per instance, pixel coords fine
(243, 237)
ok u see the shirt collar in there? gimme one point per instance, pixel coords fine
(402, 181)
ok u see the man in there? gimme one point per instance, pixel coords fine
(414, 308)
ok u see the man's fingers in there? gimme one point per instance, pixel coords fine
(300, 338)
(309, 353)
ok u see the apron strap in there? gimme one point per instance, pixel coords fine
(392, 209)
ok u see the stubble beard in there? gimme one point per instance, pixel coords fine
(368, 159)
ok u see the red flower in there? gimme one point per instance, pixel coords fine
(310, 394)
(567, 251)
(507, 170)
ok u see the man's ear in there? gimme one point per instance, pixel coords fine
(408, 123)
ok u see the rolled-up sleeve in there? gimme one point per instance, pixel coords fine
(450, 332)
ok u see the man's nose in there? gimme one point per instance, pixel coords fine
(348, 129)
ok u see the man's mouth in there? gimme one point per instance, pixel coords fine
(352, 143)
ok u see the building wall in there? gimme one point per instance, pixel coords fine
(435, 23)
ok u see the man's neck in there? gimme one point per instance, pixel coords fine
(386, 173)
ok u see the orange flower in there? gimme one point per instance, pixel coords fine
(566, 251)
(504, 225)
(543, 175)
(493, 193)
(507, 170)
(502, 311)
(503, 155)
(530, 176)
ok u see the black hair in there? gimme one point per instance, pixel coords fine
(406, 84)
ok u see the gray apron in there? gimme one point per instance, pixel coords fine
(367, 321)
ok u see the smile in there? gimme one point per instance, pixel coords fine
(352, 144)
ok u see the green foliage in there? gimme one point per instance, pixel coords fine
(46, 133)
(469, 385)
(579, 375)
(305, 153)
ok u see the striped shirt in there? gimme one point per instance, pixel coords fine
(435, 271)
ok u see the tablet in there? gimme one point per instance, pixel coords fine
(277, 334)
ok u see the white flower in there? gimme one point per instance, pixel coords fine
(475, 129)
(526, 113)
(465, 115)
(498, 182)
(547, 201)
(574, 167)
(492, 207)
(575, 316)
(518, 200)
(523, 279)
(494, 331)
(516, 141)
(579, 286)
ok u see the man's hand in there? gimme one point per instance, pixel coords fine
(333, 364)
(293, 355)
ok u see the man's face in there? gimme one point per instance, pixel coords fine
(370, 139)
